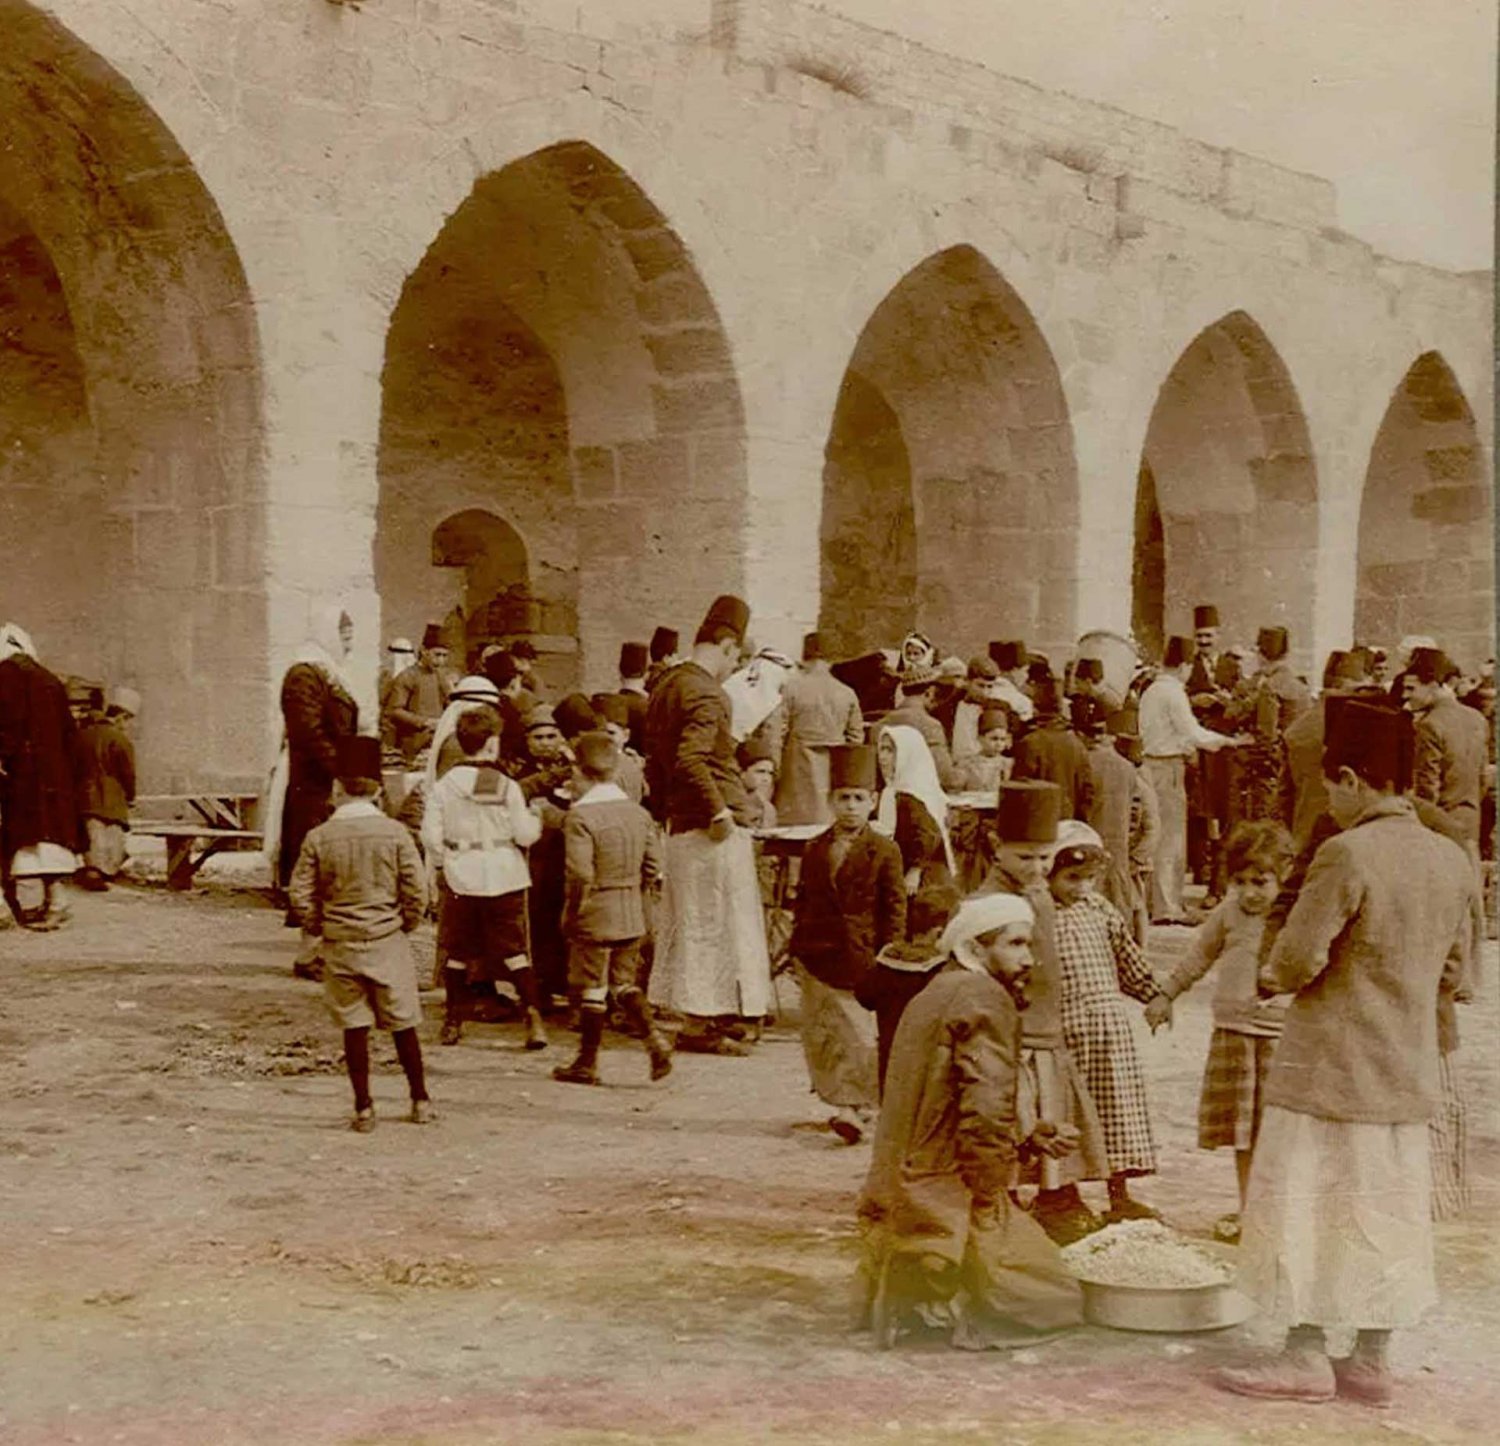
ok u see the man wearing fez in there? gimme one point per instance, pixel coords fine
(711, 963)
(1211, 685)
(1264, 708)
(1170, 737)
(1452, 744)
(418, 695)
(635, 659)
(1337, 1230)
(817, 712)
(664, 656)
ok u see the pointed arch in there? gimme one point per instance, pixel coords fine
(1425, 563)
(950, 488)
(130, 420)
(555, 358)
(1233, 514)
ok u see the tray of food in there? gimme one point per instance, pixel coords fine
(1141, 1275)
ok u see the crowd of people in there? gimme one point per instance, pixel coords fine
(983, 846)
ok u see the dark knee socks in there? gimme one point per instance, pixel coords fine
(357, 1062)
(409, 1052)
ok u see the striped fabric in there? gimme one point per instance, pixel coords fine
(1448, 1136)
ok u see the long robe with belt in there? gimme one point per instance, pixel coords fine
(942, 1238)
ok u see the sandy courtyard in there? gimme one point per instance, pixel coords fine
(195, 1249)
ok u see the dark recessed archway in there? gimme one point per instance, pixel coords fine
(1425, 559)
(1227, 493)
(556, 360)
(130, 426)
(950, 490)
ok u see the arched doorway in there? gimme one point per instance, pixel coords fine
(495, 602)
(131, 497)
(950, 496)
(1425, 560)
(556, 362)
(1227, 494)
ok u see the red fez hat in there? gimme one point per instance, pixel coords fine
(1179, 651)
(1272, 643)
(574, 715)
(852, 765)
(1028, 812)
(633, 660)
(664, 643)
(612, 708)
(1206, 615)
(1431, 665)
(357, 759)
(1370, 737)
(432, 636)
(751, 752)
(727, 612)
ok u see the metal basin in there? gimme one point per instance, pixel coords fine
(1173, 1310)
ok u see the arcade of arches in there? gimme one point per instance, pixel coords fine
(129, 409)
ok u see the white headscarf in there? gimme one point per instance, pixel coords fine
(977, 917)
(916, 774)
(324, 647)
(755, 690)
(928, 656)
(15, 639)
(470, 692)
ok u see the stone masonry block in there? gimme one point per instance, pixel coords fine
(676, 298)
(719, 465)
(239, 546)
(171, 552)
(1394, 579)
(697, 405)
(653, 253)
(656, 468)
(611, 530)
(594, 473)
(1285, 479)
(1445, 464)
(698, 350)
(1449, 505)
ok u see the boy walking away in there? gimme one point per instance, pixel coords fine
(474, 828)
(1246, 1027)
(105, 770)
(358, 886)
(1101, 965)
(1337, 1228)
(611, 856)
(944, 1246)
(851, 904)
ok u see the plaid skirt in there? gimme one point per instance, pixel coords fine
(1234, 1082)
(1448, 1142)
(1102, 1043)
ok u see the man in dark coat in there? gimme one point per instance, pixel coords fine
(1053, 753)
(634, 663)
(1452, 744)
(39, 819)
(1211, 683)
(711, 964)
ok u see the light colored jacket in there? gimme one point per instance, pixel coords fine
(474, 826)
(358, 877)
(610, 850)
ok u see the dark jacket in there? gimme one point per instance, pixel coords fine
(317, 712)
(691, 772)
(104, 769)
(1224, 677)
(1054, 753)
(38, 795)
(843, 920)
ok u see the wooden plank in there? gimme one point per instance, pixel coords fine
(176, 828)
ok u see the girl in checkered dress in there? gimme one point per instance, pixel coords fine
(1101, 966)
(1246, 1027)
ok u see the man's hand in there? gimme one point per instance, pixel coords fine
(1158, 1012)
(1054, 1141)
(722, 828)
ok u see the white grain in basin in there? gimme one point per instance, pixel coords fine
(1147, 1255)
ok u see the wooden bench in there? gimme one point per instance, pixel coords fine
(184, 820)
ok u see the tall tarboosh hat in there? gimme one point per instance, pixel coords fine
(1179, 651)
(812, 647)
(1272, 643)
(633, 660)
(727, 612)
(852, 765)
(1374, 739)
(751, 752)
(357, 759)
(432, 636)
(574, 715)
(664, 642)
(1009, 655)
(1206, 615)
(1028, 812)
(1431, 665)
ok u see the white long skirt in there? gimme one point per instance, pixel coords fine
(1337, 1226)
(711, 957)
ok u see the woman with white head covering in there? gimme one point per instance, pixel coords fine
(39, 821)
(317, 709)
(917, 653)
(913, 811)
(944, 1244)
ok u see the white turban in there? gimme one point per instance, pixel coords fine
(977, 917)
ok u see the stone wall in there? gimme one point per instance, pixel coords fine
(648, 243)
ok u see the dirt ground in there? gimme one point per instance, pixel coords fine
(195, 1249)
